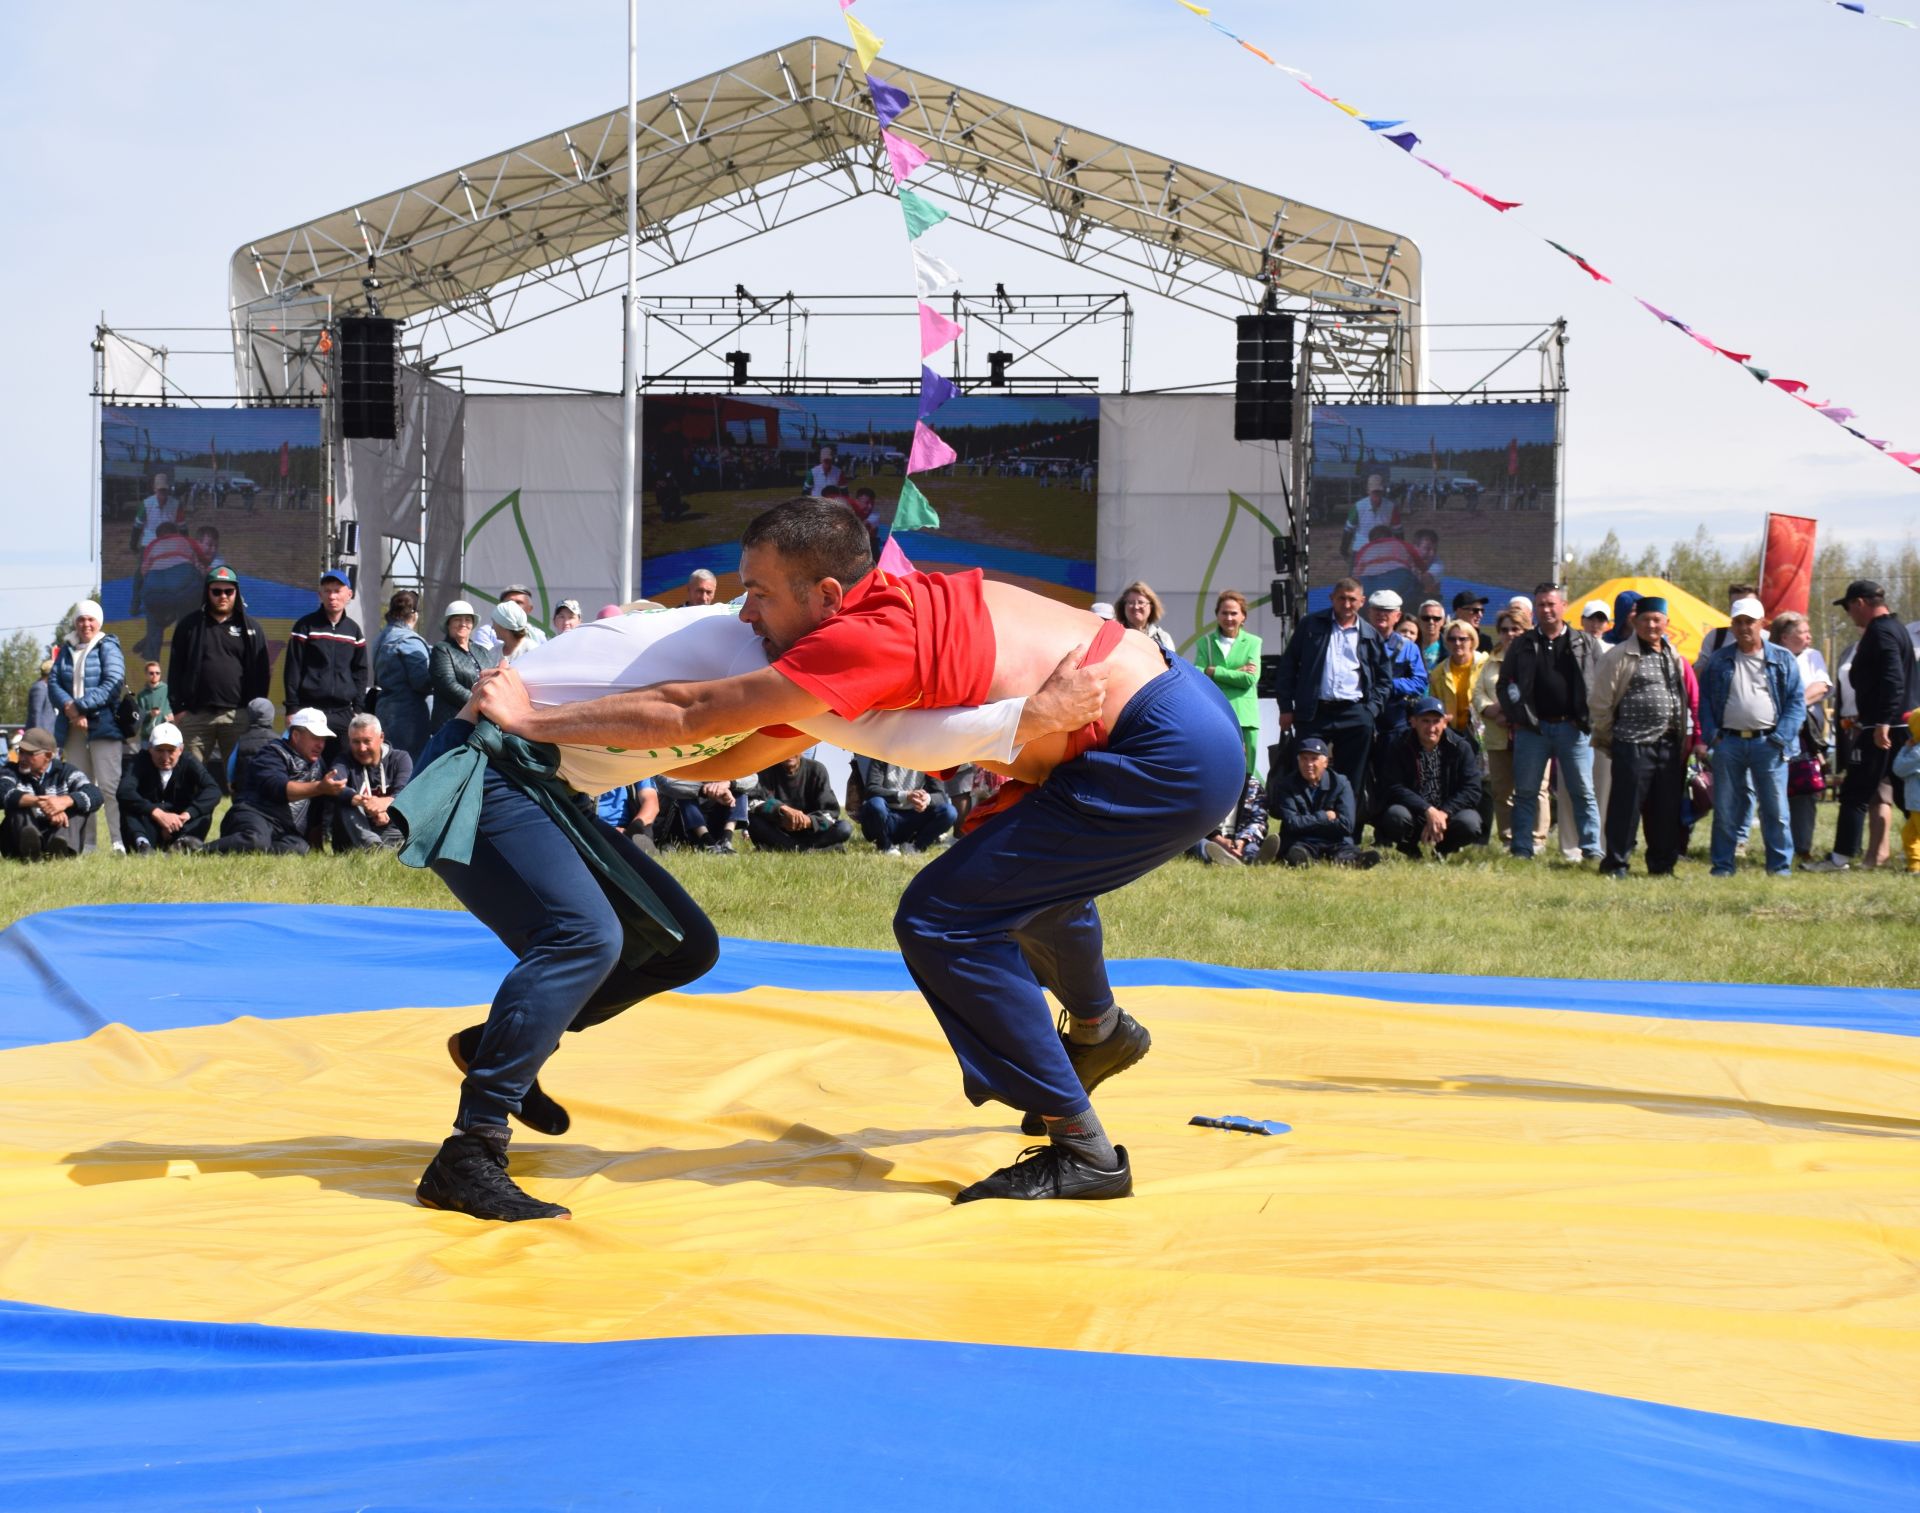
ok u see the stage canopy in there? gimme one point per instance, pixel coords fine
(514, 235)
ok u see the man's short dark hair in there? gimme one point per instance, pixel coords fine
(1547, 588)
(863, 494)
(1348, 586)
(817, 538)
(1742, 591)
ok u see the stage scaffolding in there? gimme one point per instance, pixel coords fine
(519, 235)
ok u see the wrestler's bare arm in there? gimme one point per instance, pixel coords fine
(666, 714)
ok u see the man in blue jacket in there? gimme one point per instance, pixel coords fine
(1314, 812)
(1333, 682)
(1752, 705)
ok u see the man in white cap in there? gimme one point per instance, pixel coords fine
(167, 799)
(275, 810)
(1596, 619)
(1752, 705)
(1370, 509)
(1407, 669)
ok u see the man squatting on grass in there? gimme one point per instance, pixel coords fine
(1009, 908)
(596, 925)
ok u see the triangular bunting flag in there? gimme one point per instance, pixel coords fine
(928, 450)
(903, 155)
(1349, 109)
(888, 102)
(1480, 194)
(1406, 141)
(931, 275)
(912, 512)
(1905, 459)
(921, 214)
(1381, 125)
(1198, 10)
(1791, 385)
(892, 559)
(1585, 266)
(865, 44)
(1445, 173)
(935, 330)
(1760, 375)
(1739, 357)
(1263, 57)
(934, 391)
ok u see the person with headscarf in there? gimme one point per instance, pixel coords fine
(1623, 603)
(512, 630)
(89, 675)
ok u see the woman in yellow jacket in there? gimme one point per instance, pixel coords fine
(1231, 657)
(1453, 676)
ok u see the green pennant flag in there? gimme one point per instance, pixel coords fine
(921, 214)
(1761, 375)
(913, 513)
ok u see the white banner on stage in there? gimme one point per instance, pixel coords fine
(1187, 508)
(542, 499)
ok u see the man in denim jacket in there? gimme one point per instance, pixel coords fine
(1752, 705)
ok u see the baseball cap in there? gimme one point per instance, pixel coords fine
(1596, 607)
(510, 616)
(37, 739)
(1383, 598)
(1860, 588)
(569, 604)
(459, 607)
(336, 575)
(516, 588)
(166, 733)
(1310, 746)
(1750, 607)
(1103, 609)
(1428, 705)
(311, 721)
(1467, 598)
(224, 574)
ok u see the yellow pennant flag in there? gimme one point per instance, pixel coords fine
(1343, 105)
(1198, 10)
(864, 42)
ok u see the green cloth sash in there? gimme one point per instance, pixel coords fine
(441, 806)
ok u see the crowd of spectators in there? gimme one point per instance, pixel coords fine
(1435, 733)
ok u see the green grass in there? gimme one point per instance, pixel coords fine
(1495, 917)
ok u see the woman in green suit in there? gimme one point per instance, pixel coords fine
(1231, 657)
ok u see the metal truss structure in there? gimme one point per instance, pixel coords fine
(521, 234)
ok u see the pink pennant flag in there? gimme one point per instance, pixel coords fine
(845, 3)
(1905, 459)
(1837, 413)
(1480, 194)
(1791, 385)
(1445, 173)
(1313, 91)
(892, 559)
(936, 331)
(904, 156)
(1658, 314)
(928, 450)
(1739, 357)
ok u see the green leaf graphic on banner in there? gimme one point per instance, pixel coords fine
(1203, 602)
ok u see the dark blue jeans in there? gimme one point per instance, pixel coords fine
(528, 885)
(1008, 910)
(886, 826)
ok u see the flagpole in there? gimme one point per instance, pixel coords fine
(629, 379)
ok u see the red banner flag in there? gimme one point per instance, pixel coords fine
(1786, 564)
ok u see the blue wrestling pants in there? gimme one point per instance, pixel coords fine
(1009, 909)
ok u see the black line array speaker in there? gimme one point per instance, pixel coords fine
(1263, 378)
(368, 404)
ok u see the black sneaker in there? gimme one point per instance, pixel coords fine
(538, 1112)
(469, 1176)
(1047, 1171)
(1094, 1064)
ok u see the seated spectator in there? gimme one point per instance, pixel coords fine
(703, 816)
(167, 799)
(1315, 808)
(796, 810)
(374, 772)
(631, 811)
(43, 802)
(1242, 836)
(275, 811)
(258, 733)
(1431, 787)
(1906, 767)
(903, 810)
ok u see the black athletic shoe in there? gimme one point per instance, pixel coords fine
(469, 1176)
(1094, 1064)
(538, 1112)
(1047, 1171)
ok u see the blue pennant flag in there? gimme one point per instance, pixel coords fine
(1381, 125)
(888, 102)
(1406, 141)
(934, 391)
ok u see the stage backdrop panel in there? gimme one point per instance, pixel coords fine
(1187, 508)
(1019, 503)
(410, 489)
(1470, 498)
(542, 500)
(183, 490)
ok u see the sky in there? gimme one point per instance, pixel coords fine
(1737, 162)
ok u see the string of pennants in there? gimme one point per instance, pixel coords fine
(1396, 133)
(932, 276)
(1861, 10)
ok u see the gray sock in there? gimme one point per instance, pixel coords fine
(1086, 1138)
(1093, 1031)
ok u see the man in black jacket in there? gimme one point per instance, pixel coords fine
(375, 771)
(327, 666)
(219, 663)
(167, 799)
(1543, 693)
(1431, 783)
(44, 802)
(278, 808)
(1313, 808)
(795, 809)
(1882, 676)
(1333, 682)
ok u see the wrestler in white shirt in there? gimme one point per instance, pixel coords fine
(709, 641)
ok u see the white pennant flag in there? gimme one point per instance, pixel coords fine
(931, 274)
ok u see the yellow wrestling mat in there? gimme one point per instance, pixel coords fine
(1718, 1216)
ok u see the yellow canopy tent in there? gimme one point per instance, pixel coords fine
(1688, 619)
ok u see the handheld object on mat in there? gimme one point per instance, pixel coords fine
(1242, 1124)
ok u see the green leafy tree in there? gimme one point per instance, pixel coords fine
(20, 656)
